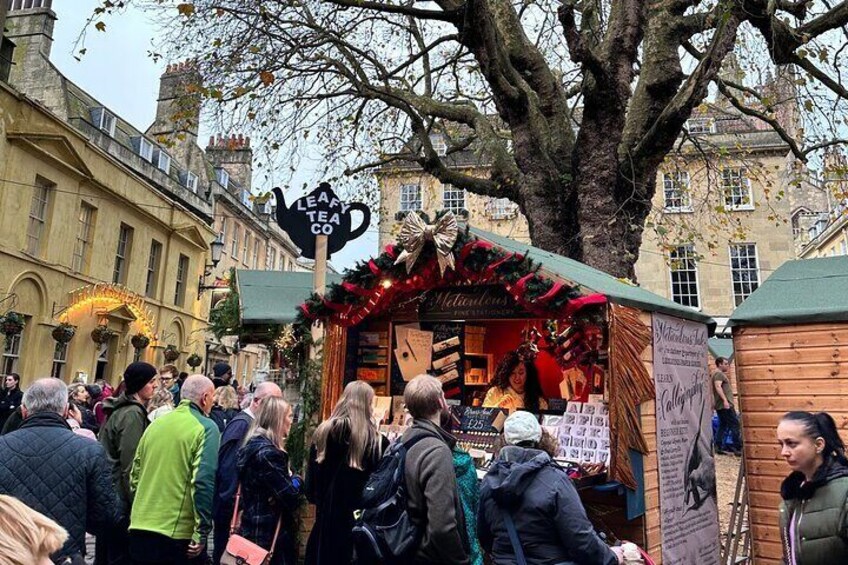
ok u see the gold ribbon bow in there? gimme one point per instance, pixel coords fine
(414, 233)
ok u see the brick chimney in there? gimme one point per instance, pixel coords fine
(234, 155)
(178, 107)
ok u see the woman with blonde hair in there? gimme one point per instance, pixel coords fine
(226, 406)
(269, 491)
(346, 449)
(27, 537)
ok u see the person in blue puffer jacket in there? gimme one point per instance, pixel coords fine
(526, 484)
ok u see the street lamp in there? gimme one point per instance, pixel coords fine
(217, 248)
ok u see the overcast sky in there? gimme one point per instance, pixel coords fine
(117, 71)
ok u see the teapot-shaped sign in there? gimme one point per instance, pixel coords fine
(320, 212)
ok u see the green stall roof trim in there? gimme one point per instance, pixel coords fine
(593, 280)
(798, 292)
(272, 297)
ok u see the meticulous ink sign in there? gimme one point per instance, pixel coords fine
(469, 303)
(320, 212)
(688, 506)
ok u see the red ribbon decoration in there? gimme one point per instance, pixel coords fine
(305, 309)
(391, 250)
(577, 304)
(545, 298)
(355, 289)
(374, 268)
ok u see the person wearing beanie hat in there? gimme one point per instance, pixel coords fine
(223, 375)
(120, 435)
(526, 485)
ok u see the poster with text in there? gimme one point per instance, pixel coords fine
(688, 504)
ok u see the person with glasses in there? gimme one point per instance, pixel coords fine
(168, 380)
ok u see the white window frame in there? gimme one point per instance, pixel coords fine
(223, 233)
(145, 149)
(222, 176)
(108, 122)
(700, 125)
(676, 195)
(38, 215)
(453, 198)
(236, 242)
(439, 143)
(741, 293)
(122, 254)
(245, 260)
(844, 245)
(410, 198)
(245, 198)
(255, 261)
(154, 262)
(84, 237)
(162, 160)
(191, 182)
(60, 360)
(732, 191)
(501, 209)
(675, 262)
(11, 353)
(182, 275)
(271, 258)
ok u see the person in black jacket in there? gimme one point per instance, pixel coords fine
(225, 408)
(345, 450)
(226, 477)
(269, 492)
(10, 397)
(549, 518)
(56, 472)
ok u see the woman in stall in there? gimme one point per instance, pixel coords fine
(516, 384)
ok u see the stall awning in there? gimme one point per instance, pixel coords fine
(272, 297)
(721, 347)
(803, 291)
(597, 281)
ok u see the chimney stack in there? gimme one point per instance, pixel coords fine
(30, 24)
(178, 107)
(233, 154)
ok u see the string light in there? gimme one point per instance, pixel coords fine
(111, 296)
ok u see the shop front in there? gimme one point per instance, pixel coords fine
(505, 326)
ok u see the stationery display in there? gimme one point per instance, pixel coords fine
(583, 432)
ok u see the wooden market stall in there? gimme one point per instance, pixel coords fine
(453, 306)
(791, 351)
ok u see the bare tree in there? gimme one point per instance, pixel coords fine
(371, 80)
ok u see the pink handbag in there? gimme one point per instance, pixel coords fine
(242, 551)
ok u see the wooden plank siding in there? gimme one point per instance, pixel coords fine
(783, 368)
(653, 536)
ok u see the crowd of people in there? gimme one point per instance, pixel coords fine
(156, 489)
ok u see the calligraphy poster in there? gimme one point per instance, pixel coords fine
(688, 503)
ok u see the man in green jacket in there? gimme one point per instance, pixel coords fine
(120, 436)
(173, 481)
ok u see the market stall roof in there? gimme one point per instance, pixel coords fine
(802, 291)
(721, 347)
(597, 281)
(272, 297)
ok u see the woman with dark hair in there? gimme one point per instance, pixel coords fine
(516, 385)
(10, 396)
(813, 520)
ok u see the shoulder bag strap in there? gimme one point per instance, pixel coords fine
(234, 521)
(274, 541)
(513, 538)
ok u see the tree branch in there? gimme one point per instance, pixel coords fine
(453, 16)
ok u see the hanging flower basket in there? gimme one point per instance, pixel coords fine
(63, 333)
(12, 323)
(101, 334)
(140, 341)
(171, 354)
(194, 360)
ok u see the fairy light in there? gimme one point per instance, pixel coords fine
(111, 296)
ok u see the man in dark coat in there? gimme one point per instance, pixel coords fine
(434, 504)
(226, 478)
(127, 420)
(10, 397)
(549, 518)
(49, 468)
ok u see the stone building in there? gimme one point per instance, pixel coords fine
(725, 214)
(100, 226)
(826, 234)
(107, 225)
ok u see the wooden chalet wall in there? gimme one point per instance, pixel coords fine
(653, 537)
(783, 368)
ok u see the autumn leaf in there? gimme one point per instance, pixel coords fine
(100, 26)
(185, 9)
(266, 77)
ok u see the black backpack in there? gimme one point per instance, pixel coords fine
(383, 531)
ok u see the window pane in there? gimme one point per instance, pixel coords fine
(684, 276)
(676, 191)
(37, 215)
(410, 197)
(153, 261)
(83, 243)
(735, 188)
(182, 272)
(453, 198)
(744, 271)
